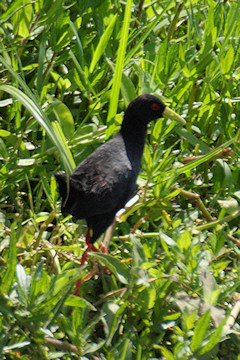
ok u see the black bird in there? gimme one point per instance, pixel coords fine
(106, 179)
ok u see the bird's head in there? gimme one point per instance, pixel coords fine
(148, 107)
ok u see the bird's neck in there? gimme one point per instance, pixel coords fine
(134, 131)
(134, 139)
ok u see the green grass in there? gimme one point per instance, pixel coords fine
(67, 72)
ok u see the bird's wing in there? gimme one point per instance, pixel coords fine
(100, 187)
(102, 183)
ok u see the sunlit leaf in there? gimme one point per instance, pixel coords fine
(102, 43)
(200, 331)
(115, 265)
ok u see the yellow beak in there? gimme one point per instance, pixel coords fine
(170, 114)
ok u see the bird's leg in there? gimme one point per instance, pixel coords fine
(90, 247)
(88, 236)
(84, 258)
(78, 283)
(103, 248)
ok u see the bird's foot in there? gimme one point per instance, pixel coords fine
(103, 248)
(90, 247)
(84, 256)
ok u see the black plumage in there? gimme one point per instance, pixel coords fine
(105, 180)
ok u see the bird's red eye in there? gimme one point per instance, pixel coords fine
(155, 106)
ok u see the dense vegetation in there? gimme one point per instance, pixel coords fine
(68, 69)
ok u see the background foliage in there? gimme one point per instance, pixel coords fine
(68, 69)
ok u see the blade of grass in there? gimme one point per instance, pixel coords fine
(102, 44)
(38, 114)
(79, 44)
(133, 51)
(173, 173)
(11, 263)
(200, 331)
(192, 139)
(120, 63)
(83, 77)
(204, 159)
(41, 57)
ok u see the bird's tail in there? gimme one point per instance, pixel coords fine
(64, 187)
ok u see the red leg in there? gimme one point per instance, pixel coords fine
(78, 283)
(90, 247)
(103, 248)
(88, 236)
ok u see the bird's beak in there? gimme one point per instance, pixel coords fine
(170, 114)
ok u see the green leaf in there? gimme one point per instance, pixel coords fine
(167, 353)
(37, 276)
(150, 27)
(169, 241)
(193, 139)
(200, 331)
(92, 347)
(64, 39)
(214, 339)
(79, 302)
(3, 149)
(64, 116)
(211, 290)
(227, 61)
(128, 89)
(31, 103)
(157, 130)
(22, 18)
(64, 148)
(4, 133)
(53, 189)
(222, 175)
(138, 252)
(230, 204)
(126, 350)
(184, 241)
(119, 269)
(120, 63)
(24, 281)
(25, 162)
(148, 158)
(102, 44)
(8, 277)
(15, 346)
(206, 158)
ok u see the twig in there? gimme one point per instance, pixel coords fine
(121, 292)
(63, 345)
(234, 240)
(196, 198)
(232, 317)
(140, 221)
(220, 155)
(43, 227)
(140, 235)
(109, 234)
(117, 219)
(214, 223)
